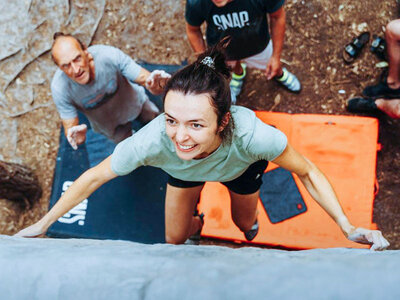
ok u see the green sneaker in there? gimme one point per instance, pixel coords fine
(237, 81)
(289, 81)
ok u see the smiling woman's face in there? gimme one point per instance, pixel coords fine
(191, 124)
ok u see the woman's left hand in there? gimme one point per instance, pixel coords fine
(156, 81)
(370, 237)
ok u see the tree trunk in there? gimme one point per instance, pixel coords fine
(18, 183)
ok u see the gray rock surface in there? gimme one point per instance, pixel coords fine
(93, 269)
(26, 33)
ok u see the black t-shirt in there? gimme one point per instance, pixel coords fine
(244, 20)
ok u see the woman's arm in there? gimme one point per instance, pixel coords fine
(321, 190)
(81, 189)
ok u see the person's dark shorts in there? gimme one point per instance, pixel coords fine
(247, 183)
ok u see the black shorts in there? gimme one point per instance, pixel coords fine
(247, 183)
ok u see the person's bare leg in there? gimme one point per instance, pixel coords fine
(149, 112)
(244, 210)
(237, 68)
(390, 107)
(392, 37)
(179, 208)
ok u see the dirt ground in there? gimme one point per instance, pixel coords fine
(316, 32)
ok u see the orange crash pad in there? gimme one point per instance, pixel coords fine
(344, 148)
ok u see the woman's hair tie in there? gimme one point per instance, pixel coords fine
(208, 61)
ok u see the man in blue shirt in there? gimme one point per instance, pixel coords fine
(105, 84)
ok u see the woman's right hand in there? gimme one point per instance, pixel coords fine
(34, 230)
(81, 189)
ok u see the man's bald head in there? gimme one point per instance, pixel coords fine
(60, 37)
(71, 56)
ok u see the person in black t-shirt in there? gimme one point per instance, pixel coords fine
(246, 22)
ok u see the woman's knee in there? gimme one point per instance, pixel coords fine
(174, 238)
(176, 233)
(179, 208)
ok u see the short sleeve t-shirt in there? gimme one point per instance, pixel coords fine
(110, 100)
(252, 141)
(244, 20)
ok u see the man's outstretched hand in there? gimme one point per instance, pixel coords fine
(76, 135)
(156, 81)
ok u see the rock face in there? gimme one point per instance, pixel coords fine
(18, 183)
(93, 269)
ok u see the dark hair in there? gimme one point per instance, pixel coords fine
(61, 34)
(209, 74)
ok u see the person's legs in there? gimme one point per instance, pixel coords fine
(392, 37)
(284, 77)
(260, 60)
(390, 107)
(244, 192)
(149, 112)
(389, 88)
(237, 67)
(238, 75)
(244, 210)
(180, 204)
(361, 105)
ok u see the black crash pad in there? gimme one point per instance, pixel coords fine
(129, 207)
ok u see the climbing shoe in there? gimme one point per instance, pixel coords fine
(251, 234)
(289, 81)
(237, 81)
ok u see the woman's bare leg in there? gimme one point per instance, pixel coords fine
(180, 204)
(392, 37)
(244, 210)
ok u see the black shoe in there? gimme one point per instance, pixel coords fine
(378, 47)
(361, 105)
(252, 233)
(381, 90)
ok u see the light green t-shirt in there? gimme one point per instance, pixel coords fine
(252, 141)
